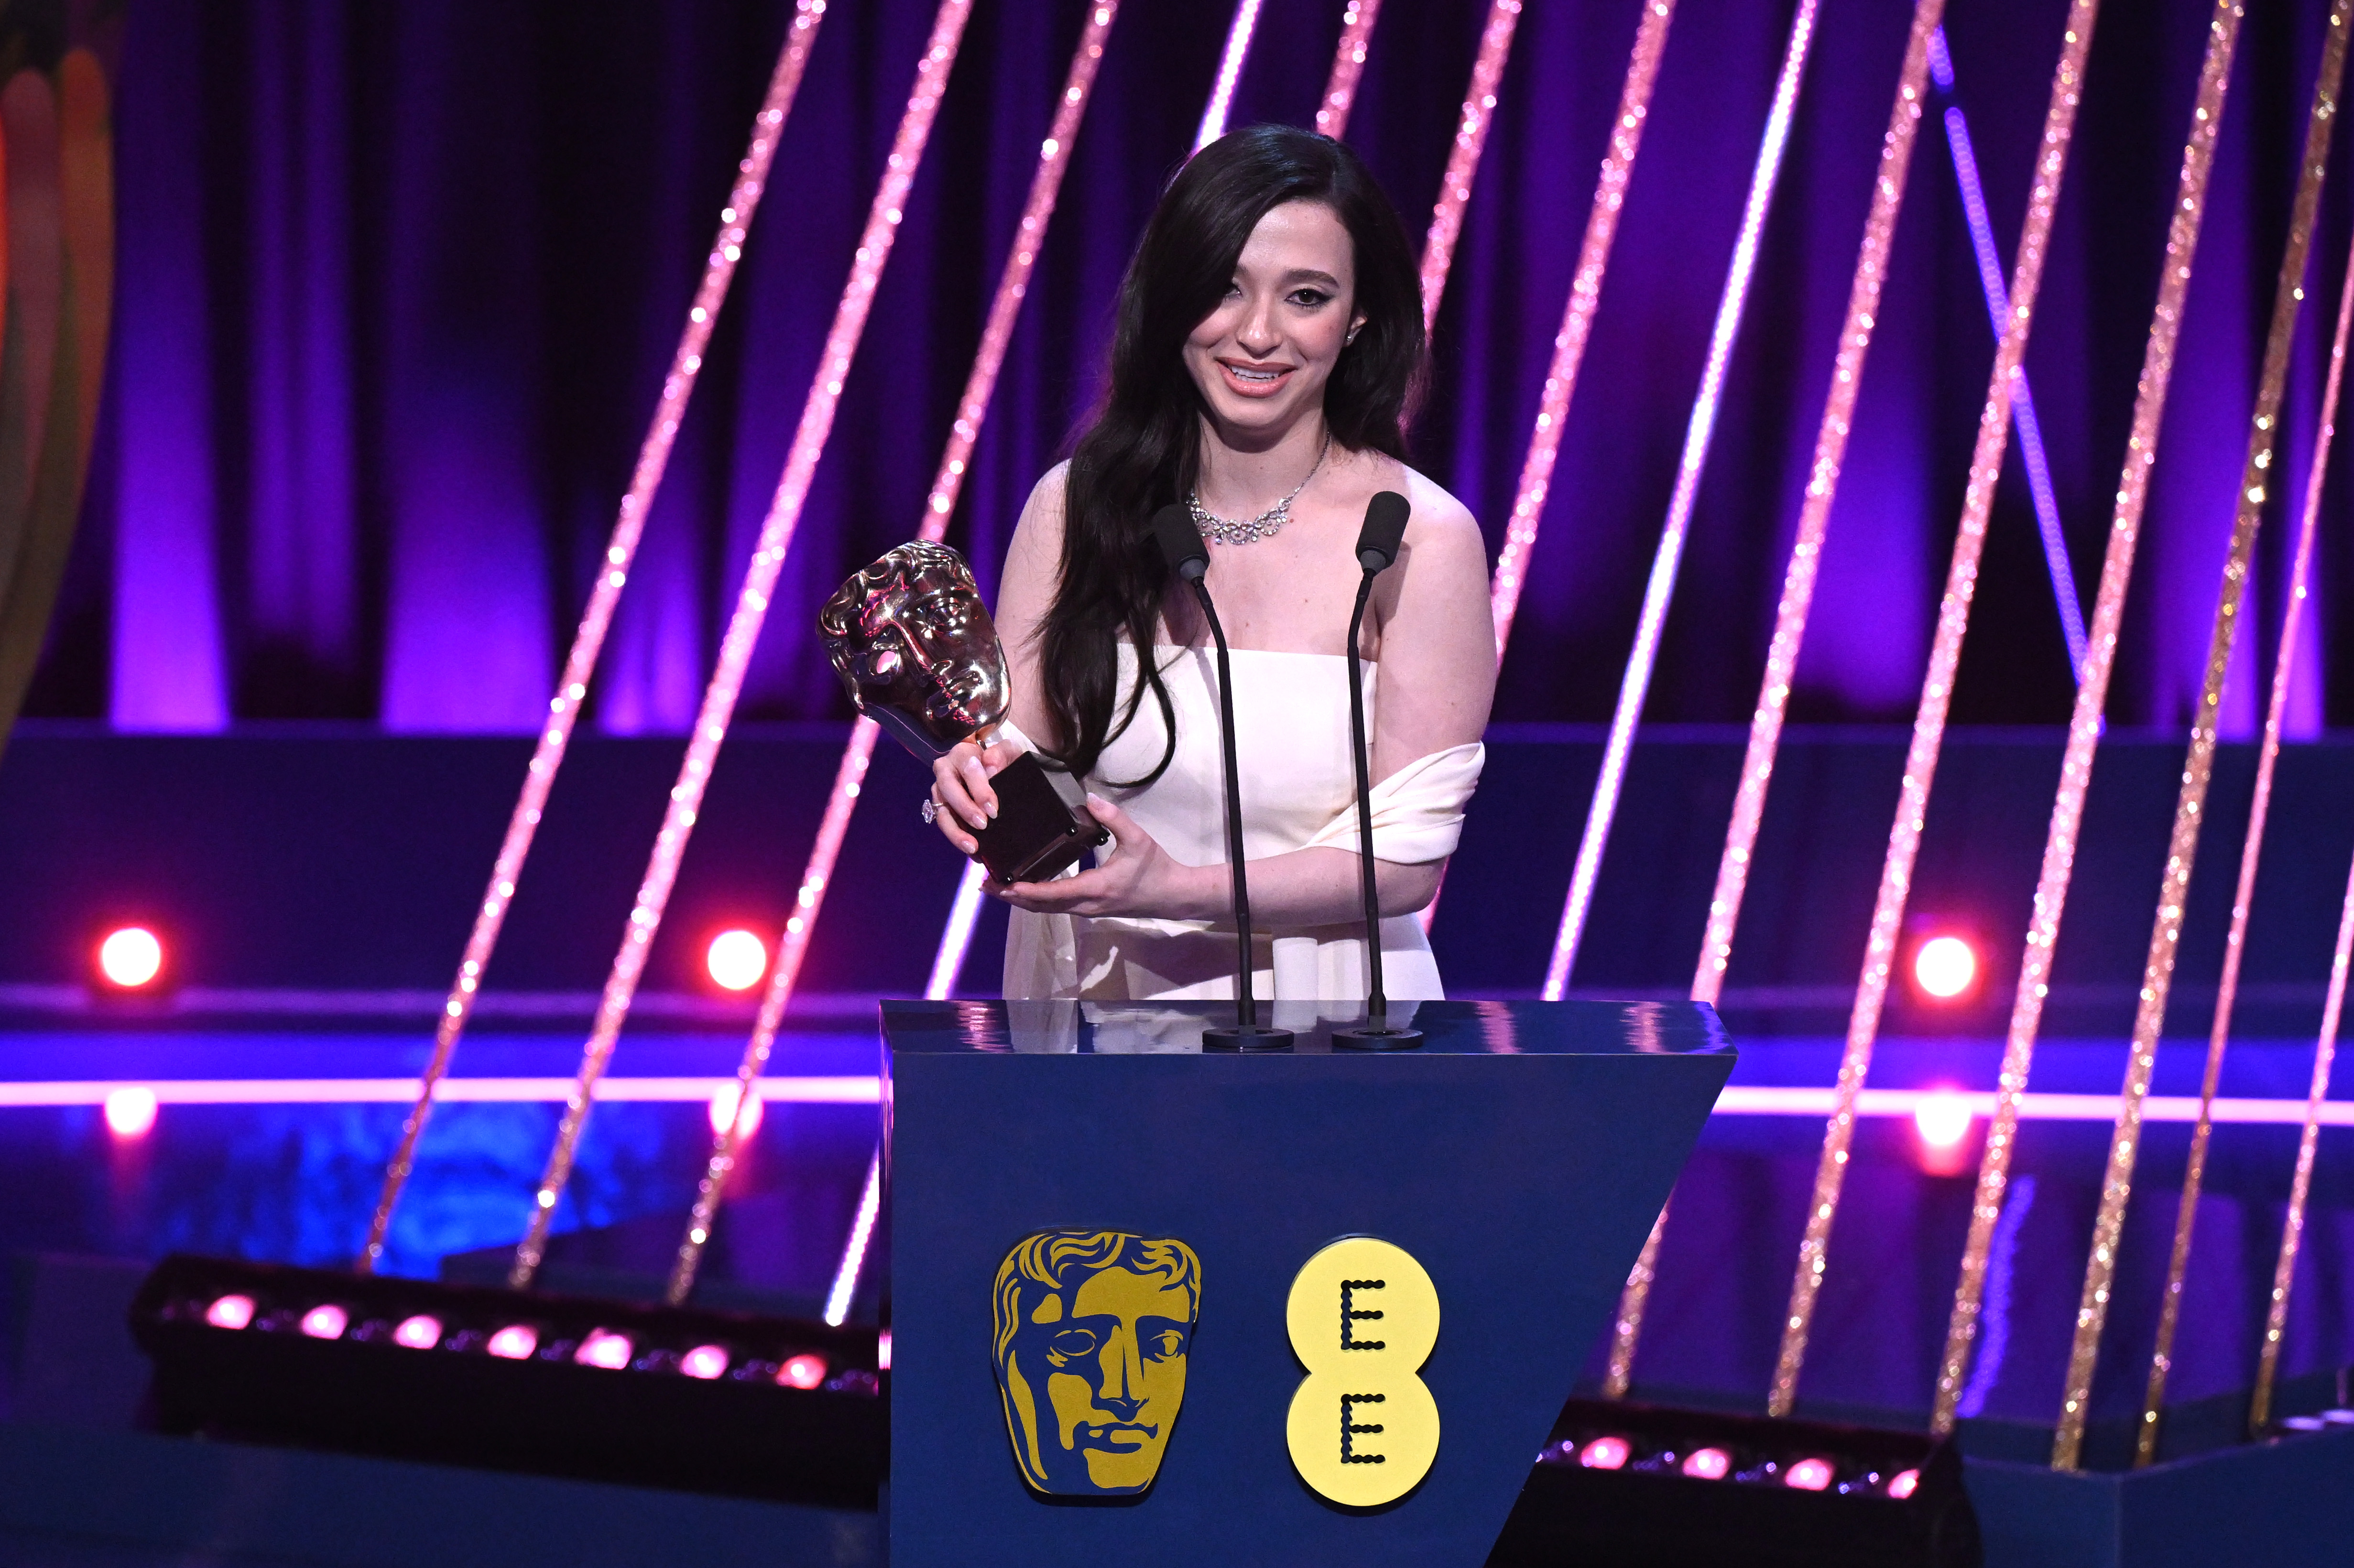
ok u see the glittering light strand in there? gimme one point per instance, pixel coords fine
(2084, 724)
(2260, 1408)
(947, 482)
(604, 595)
(1698, 432)
(2022, 403)
(1797, 596)
(2251, 850)
(1577, 316)
(1463, 159)
(1937, 693)
(2182, 848)
(751, 610)
(1348, 65)
(1230, 71)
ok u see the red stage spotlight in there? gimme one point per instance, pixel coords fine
(1604, 1453)
(706, 1362)
(804, 1371)
(230, 1312)
(723, 1111)
(1708, 1463)
(737, 960)
(130, 1112)
(1808, 1474)
(418, 1334)
(604, 1348)
(1904, 1484)
(129, 957)
(1946, 968)
(326, 1321)
(514, 1342)
(1941, 1119)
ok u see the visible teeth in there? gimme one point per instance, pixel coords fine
(1252, 374)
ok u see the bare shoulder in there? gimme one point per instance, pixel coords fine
(1440, 526)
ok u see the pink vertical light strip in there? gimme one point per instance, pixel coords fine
(955, 938)
(1936, 697)
(2251, 850)
(1463, 161)
(972, 408)
(1798, 594)
(1698, 432)
(1576, 327)
(2324, 1051)
(751, 609)
(854, 1254)
(1814, 515)
(1230, 71)
(588, 643)
(1578, 317)
(1348, 65)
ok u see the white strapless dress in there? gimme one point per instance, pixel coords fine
(1291, 732)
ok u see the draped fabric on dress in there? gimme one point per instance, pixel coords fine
(1292, 729)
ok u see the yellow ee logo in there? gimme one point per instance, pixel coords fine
(1363, 1316)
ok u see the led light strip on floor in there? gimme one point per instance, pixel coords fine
(605, 594)
(854, 1089)
(830, 1089)
(948, 483)
(750, 613)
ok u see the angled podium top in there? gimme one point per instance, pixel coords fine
(1517, 1159)
(1449, 1028)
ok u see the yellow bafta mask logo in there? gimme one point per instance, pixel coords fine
(1363, 1316)
(1092, 1332)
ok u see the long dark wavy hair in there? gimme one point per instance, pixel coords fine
(1142, 449)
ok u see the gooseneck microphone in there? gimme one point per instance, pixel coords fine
(1182, 547)
(1377, 547)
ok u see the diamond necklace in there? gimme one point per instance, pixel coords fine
(1248, 530)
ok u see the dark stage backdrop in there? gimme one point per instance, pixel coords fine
(398, 283)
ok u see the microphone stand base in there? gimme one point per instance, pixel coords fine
(1246, 1037)
(1382, 1039)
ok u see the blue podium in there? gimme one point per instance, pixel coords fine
(1120, 1329)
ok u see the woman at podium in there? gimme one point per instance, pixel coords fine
(1268, 355)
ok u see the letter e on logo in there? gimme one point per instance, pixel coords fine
(1363, 1316)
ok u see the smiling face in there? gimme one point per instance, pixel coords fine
(1092, 1332)
(915, 647)
(1261, 358)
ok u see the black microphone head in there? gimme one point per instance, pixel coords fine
(1377, 542)
(1180, 543)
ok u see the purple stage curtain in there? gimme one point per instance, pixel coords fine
(398, 285)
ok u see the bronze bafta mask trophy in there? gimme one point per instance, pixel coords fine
(917, 651)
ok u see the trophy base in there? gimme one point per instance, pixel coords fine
(1372, 1039)
(1246, 1037)
(1036, 837)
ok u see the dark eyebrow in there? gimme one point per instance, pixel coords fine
(1309, 275)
